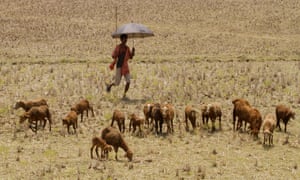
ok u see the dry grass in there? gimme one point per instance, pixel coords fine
(222, 155)
(199, 30)
(203, 51)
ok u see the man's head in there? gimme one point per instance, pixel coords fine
(123, 38)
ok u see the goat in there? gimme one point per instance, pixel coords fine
(113, 137)
(255, 120)
(81, 106)
(147, 113)
(135, 121)
(35, 114)
(190, 114)
(27, 105)
(168, 114)
(105, 148)
(71, 119)
(157, 116)
(240, 110)
(268, 128)
(120, 118)
(284, 113)
(212, 111)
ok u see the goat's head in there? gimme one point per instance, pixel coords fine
(64, 122)
(291, 114)
(23, 117)
(156, 110)
(132, 116)
(108, 148)
(19, 104)
(75, 109)
(164, 111)
(129, 155)
(149, 107)
(267, 133)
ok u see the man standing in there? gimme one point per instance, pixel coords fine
(121, 55)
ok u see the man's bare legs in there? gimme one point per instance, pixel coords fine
(108, 87)
(126, 89)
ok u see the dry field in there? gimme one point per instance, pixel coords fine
(203, 51)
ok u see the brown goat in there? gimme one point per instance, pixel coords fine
(268, 128)
(113, 137)
(246, 114)
(81, 106)
(255, 121)
(71, 119)
(27, 105)
(240, 110)
(135, 121)
(212, 111)
(168, 114)
(284, 113)
(35, 114)
(190, 114)
(32, 123)
(120, 118)
(105, 148)
(249, 115)
(158, 117)
(147, 113)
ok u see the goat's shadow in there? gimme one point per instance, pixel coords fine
(133, 101)
(267, 147)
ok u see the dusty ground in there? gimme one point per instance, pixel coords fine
(202, 52)
(181, 155)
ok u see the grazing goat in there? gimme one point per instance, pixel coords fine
(190, 114)
(255, 121)
(81, 106)
(284, 113)
(250, 115)
(120, 118)
(29, 104)
(212, 111)
(35, 114)
(268, 128)
(168, 114)
(240, 110)
(71, 119)
(105, 148)
(113, 137)
(158, 117)
(135, 121)
(148, 115)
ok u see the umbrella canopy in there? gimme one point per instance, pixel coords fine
(133, 30)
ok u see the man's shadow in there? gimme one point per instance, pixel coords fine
(133, 101)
